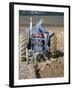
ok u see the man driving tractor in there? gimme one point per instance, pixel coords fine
(38, 27)
(40, 32)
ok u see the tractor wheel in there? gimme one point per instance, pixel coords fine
(53, 44)
(23, 44)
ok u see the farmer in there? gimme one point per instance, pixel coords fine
(38, 27)
(40, 32)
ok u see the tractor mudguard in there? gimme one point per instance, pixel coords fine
(50, 34)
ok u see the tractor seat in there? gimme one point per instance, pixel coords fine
(38, 35)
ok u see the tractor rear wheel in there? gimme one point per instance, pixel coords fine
(23, 44)
(53, 44)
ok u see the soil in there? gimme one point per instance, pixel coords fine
(54, 69)
(46, 70)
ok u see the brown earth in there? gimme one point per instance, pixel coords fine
(54, 69)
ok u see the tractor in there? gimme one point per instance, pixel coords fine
(39, 45)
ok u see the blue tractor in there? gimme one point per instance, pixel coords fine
(39, 41)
